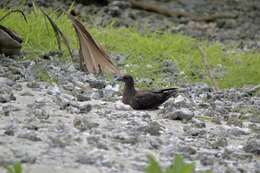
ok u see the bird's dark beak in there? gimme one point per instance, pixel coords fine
(118, 78)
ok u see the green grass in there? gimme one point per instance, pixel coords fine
(178, 166)
(145, 51)
(15, 168)
(44, 76)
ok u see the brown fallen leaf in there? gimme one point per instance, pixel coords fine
(93, 58)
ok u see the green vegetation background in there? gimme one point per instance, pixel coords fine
(145, 51)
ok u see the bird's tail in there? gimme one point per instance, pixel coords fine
(170, 89)
(169, 92)
(166, 90)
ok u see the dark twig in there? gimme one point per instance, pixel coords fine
(155, 7)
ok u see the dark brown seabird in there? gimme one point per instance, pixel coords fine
(142, 100)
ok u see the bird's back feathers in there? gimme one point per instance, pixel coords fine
(151, 99)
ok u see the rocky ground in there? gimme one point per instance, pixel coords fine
(80, 123)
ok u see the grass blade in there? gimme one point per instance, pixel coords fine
(18, 167)
(153, 166)
(9, 169)
(58, 33)
(14, 11)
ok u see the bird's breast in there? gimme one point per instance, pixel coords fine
(126, 99)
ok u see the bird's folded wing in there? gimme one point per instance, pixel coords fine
(165, 90)
(146, 98)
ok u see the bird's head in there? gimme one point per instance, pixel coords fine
(126, 79)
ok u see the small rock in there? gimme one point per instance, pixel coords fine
(6, 81)
(121, 106)
(153, 128)
(180, 100)
(236, 131)
(109, 91)
(83, 97)
(33, 84)
(255, 127)
(73, 110)
(204, 105)
(24, 157)
(114, 11)
(61, 140)
(121, 4)
(97, 142)
(216, 120)
(86, 108)
(220, 142)
(220, 106)
(32, 136)
(96, 95)
(64, 100)
(170, 105)
(230, 170)
(253, 145)
(126, 138)
(6, 94)
(18, 87)
(255, 119)
(69, 86)
(257, 166)
(187, 150)
(95, 157)
(235, 121)
(194, 132)
(9, 132)
(198, 123)
(180, 114)
(97, 84)
(202, 87)
(155, 143)
(207, 159)
(53, 90)
(6, 156)
(30, 126)
(41, 114)
(27, 93)
(83, 123)
(9, 108)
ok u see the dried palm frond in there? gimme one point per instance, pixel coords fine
(93, 58)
